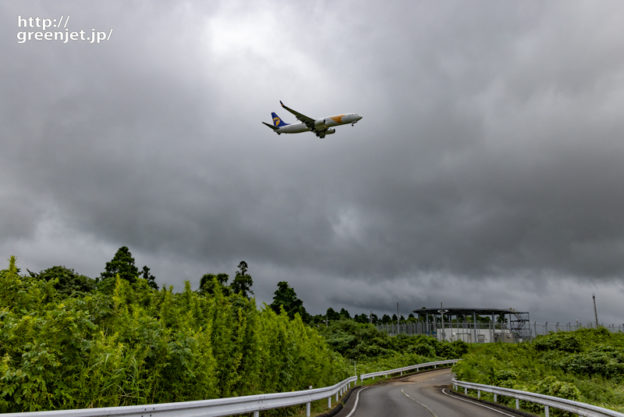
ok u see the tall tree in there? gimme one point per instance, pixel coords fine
(285, 296)
(361, 318)
(122, 264)
(344, 314)
(208, 282)
(242, 282)
(332, 314)
(147, 275)
(68, 280)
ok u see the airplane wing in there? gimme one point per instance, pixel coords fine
(308, 121)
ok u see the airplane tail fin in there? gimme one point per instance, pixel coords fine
(277, 121)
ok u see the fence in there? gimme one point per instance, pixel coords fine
(486, 332)
(547, 401)
(547, 327)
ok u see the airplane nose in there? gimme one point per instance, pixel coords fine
(358, 117)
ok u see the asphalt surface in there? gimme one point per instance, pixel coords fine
(420, 395)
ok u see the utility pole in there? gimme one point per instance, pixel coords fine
(442, 311)
(397, 332)
(595, 310)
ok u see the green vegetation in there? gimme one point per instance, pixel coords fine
(285, 298)
(374, 350)
(586, 365)
(69, 341)
(126, 343)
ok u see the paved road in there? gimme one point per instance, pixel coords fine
(416, 396)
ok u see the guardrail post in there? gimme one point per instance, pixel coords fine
(494, 397)
(256, 413)
(307, 409)
(478, 394)
(517, 404)
(546, 411)
(465, 390)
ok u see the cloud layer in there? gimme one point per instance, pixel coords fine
(486, 171)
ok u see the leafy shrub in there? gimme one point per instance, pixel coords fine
(561, 341)
(586, 365)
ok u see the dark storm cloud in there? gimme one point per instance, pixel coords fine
(489, 154)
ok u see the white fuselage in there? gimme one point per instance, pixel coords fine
(322, 124)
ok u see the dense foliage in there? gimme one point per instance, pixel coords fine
(586, 365)
(286, 298)
(126, 343)
(374, 350)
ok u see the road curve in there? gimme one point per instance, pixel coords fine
(418, 395)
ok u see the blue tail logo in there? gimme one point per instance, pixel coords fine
(277, 121)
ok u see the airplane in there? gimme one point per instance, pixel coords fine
(320, 127)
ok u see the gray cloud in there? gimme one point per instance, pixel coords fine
(488, 158)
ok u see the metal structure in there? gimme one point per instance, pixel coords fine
(475, 325)
(579, 408)
(413, 327)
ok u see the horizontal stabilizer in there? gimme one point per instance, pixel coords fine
(271, 126)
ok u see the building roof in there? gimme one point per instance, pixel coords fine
(452, 311)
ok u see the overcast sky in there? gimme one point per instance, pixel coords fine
(487, 171)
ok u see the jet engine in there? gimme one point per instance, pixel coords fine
(330, 131)
(320, 123)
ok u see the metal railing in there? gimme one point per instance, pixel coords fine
(228, 406)
(579, 408)
(407, 369)
(209, 408)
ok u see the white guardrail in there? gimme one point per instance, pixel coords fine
(582, 409)
(208, 408)
(226, 406)
(408, 369)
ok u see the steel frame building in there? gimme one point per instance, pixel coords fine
(475, 325)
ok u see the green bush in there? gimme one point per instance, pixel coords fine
(586, 365)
